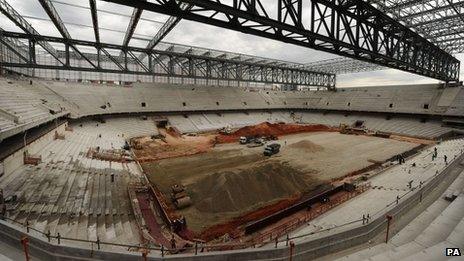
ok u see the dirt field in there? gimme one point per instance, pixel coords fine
(172, 146)
(230, 180)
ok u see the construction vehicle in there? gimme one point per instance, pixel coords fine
(245, 139)
(226, 130)
(271, 149)
(179, 197)
(256, 139)
(126, 146)
(269, 137)
(256, 143)
(356, 129)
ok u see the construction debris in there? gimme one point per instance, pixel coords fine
(31, 160)
(58, 136)
(179, 197)
(117, 155)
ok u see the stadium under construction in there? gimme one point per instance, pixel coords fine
(117, 144)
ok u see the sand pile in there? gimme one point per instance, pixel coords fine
(306, 146)
(242, 190)
(267, 129)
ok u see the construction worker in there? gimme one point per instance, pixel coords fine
(184, 222)
(400, 159)
(410, 184)
(173, 242)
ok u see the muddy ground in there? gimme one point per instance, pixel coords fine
(231, 179)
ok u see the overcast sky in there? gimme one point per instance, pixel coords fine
(191, 33)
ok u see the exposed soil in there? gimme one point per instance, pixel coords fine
(224, 184)
(230, 226)
(274, 129)
(230, 184)
(240, 191)
(171, 147)
(306, 146)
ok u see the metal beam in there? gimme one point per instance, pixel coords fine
(17, 19)
(136, 14)
(168, 63)
(429, 17)
(455, 7)
(93, 11)
(441, 26)
(53, 14)
(165, 29)
(348, 28)
(134, 20)
(432, 8)
(342, 66)
(398, 5)
(427, 22)
(18, 48)
(55, 17)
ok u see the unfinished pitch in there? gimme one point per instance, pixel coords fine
(230, 180)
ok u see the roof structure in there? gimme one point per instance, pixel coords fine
(406, 35)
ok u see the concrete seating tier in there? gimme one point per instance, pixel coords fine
(73, 195)
(212, 121)
(26, 103)
(23, 105)
(439, 227)
(422, 99)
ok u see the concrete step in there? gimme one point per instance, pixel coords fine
(441, 227)
(432, 253)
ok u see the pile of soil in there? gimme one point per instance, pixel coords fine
(306, 146)
(232, 191)
(268, 129)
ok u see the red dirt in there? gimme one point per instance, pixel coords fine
(268, 129)
(231, 227)
(172, 147)
(173, 131)
(150, 221)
